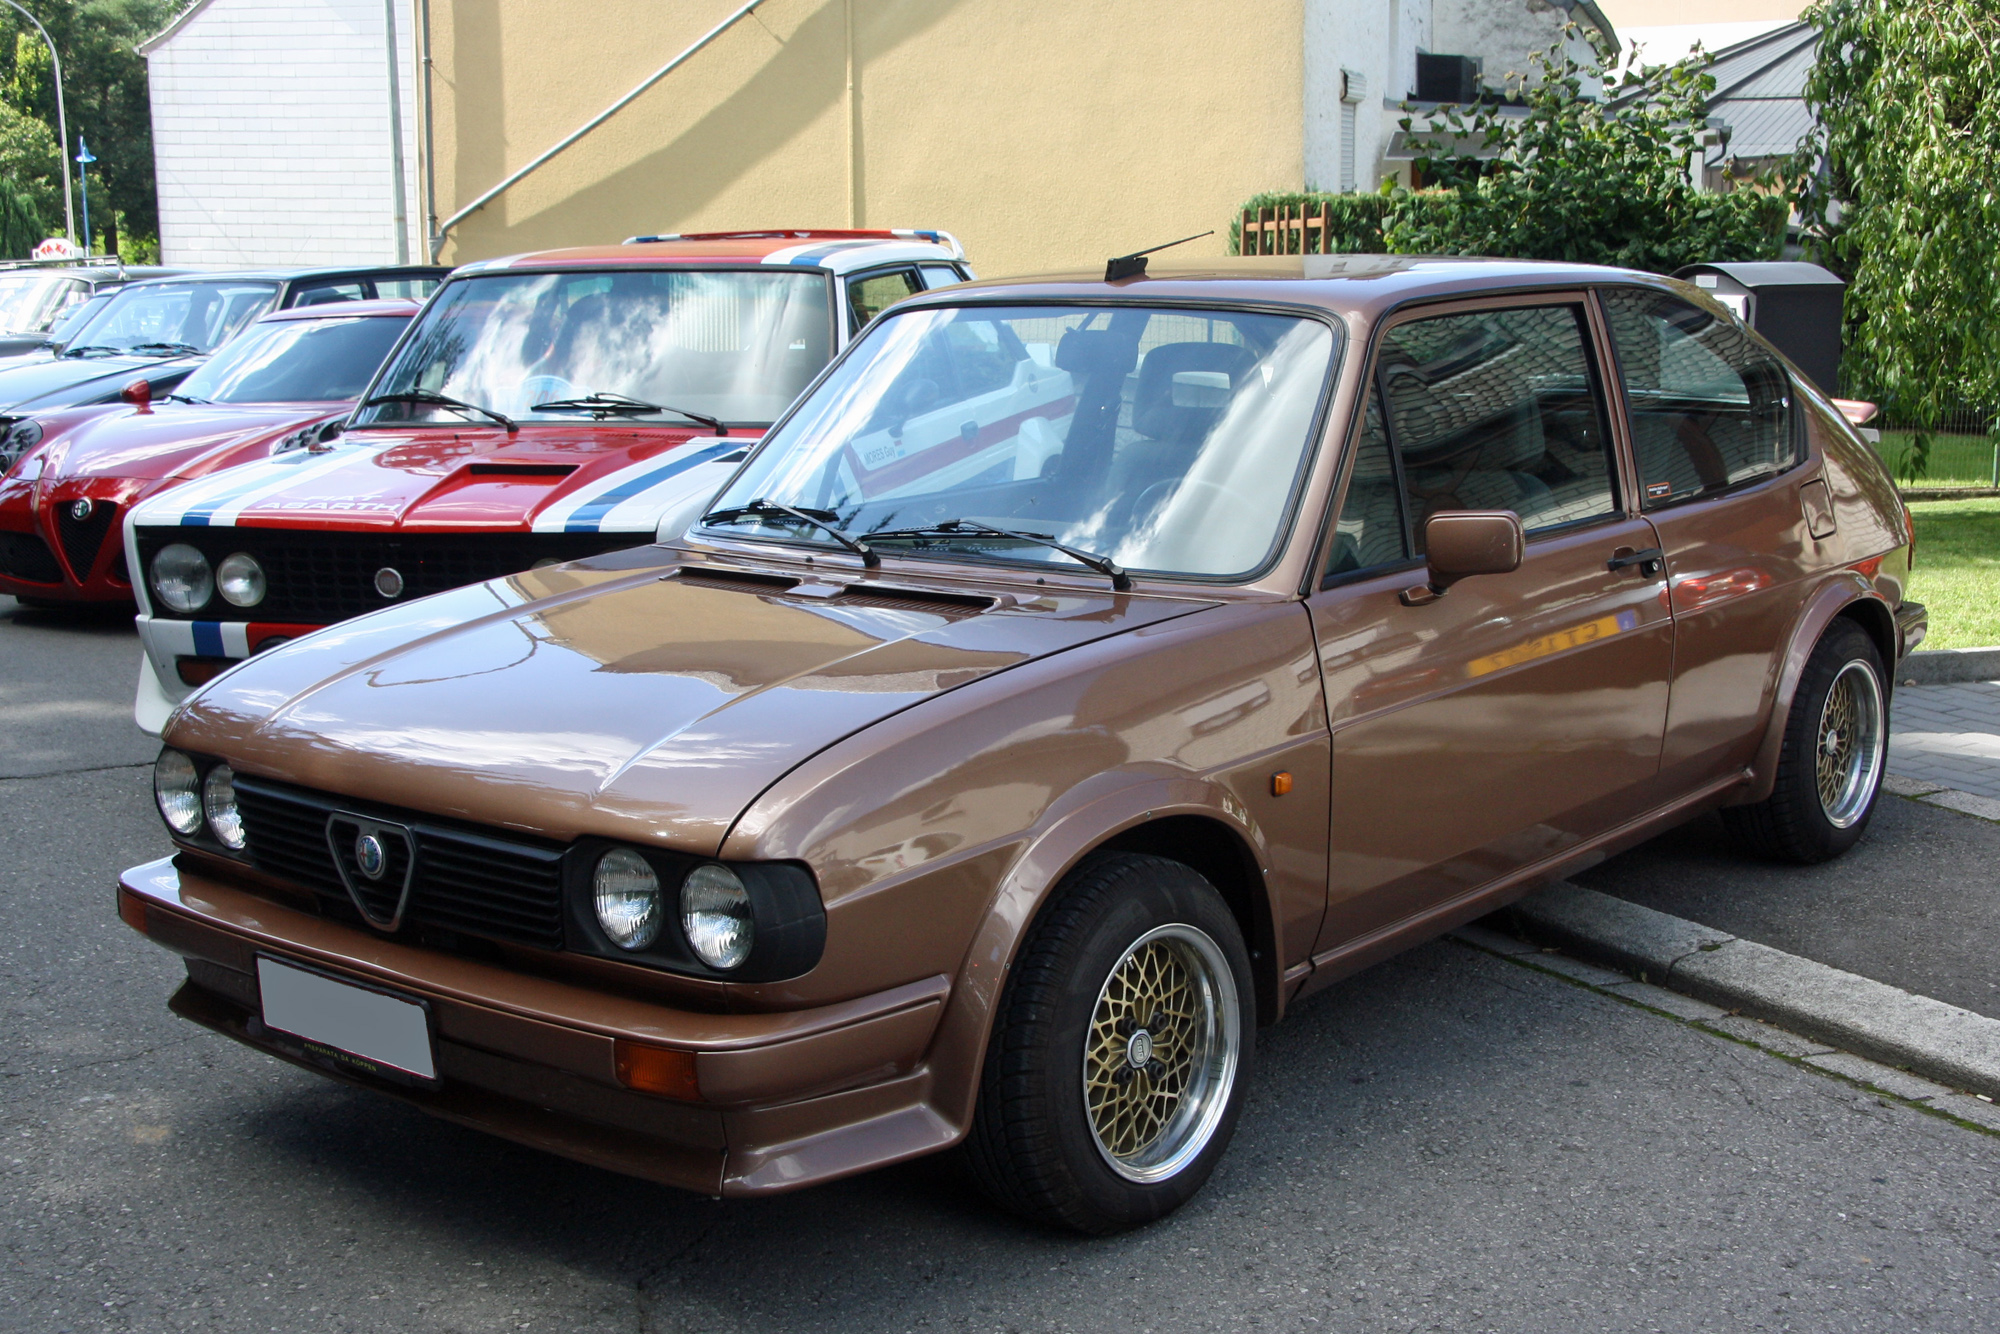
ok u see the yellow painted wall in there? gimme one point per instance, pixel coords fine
(1044, 133)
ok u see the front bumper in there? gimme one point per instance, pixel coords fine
(788, 1099)
(206, 647)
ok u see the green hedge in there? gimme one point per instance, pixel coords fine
(1739, 225)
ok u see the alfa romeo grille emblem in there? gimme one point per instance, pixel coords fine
(81, 509)
(389, 582)
(371, 856)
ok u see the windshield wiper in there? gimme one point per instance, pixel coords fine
(605, 405)
(820, 519)
(184, 349)
(438, 400)
(182, 398)
(1104, 565)
(89, 348)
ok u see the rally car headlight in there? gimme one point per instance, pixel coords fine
(240, 579)
(182, 578)
(218, 803)
(177, 788)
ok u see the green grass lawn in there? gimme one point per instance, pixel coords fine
(1957, 575)
(1955, 460)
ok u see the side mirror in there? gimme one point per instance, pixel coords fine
(139, 394)
(1461, 543)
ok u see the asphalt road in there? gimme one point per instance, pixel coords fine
(1447, 1142)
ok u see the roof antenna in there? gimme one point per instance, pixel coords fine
(1134, 264)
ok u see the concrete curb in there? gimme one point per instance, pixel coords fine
(1949, 666)
(1844, 1010)
(1937, 794)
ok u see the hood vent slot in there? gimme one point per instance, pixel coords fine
(738, 581)
(520, 469)
(954, 605)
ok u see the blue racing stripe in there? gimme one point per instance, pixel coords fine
(208, 639)
(587, 517)
(819, 255)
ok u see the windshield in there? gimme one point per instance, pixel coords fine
(1166, 440)
(738, 346)
(29, 302)
(170, 317)
(78, 315)
(294, 361)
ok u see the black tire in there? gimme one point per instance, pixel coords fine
(1035, 1148)
(1799, 822)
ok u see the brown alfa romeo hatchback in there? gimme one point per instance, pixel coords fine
(1080, 674)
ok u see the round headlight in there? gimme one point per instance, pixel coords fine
(628, 899)
(181, 578)
(240, 580)
(218, 803)
(177, 787)
(715, 913)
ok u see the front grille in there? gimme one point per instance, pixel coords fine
(25, 556)
(81, 538)
(317, 578)
(466, 881)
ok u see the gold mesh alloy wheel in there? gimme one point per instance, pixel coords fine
(1160, 1057)
(1847, 749)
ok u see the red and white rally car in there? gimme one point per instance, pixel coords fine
(66, 475)
(543, 408)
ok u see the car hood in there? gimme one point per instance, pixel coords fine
(545, 478)
(168, 439)
(61, 381)
(651, 704)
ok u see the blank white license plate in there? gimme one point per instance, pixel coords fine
(354, 1026)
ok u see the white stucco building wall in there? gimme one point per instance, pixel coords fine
(271, 133)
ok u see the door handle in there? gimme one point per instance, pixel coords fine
(1650, 561)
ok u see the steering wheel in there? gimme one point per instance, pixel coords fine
(1155, 497)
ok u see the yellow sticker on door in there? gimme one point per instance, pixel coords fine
(1561, 641)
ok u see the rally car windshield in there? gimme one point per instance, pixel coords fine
(30, 302)
(168, 319)
(296, 361)
(635, 345)
(1150, 439)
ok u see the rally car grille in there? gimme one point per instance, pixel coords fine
(317, 578)
(465, 881)
(26, 557)
(81, 538)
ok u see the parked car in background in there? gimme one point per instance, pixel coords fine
(35, 295)
(283, 384)
(543, 408)
(1081, 673)
(160, 329)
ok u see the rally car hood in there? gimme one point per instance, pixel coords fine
(559, 477)
(650, 703)
(61, 381)
(167, 439)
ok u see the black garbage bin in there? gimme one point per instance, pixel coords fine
(1796, 306)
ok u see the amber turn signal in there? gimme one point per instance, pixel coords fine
(1281, 782)
(132, 911)
(660, 1070)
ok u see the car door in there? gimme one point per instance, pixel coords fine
(1515, 716)
(1717, 440)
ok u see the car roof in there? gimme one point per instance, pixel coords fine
(300, 275)
(840, 250)
(400, 306)
(1364, 285)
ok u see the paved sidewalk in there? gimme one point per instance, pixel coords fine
(1949, 735)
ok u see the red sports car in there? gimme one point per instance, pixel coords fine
(280, 385)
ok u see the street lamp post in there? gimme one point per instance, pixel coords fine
(83, 160)
(62, 123)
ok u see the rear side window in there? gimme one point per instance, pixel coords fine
(1488, 410)
(1710, 409)
(871, 294)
